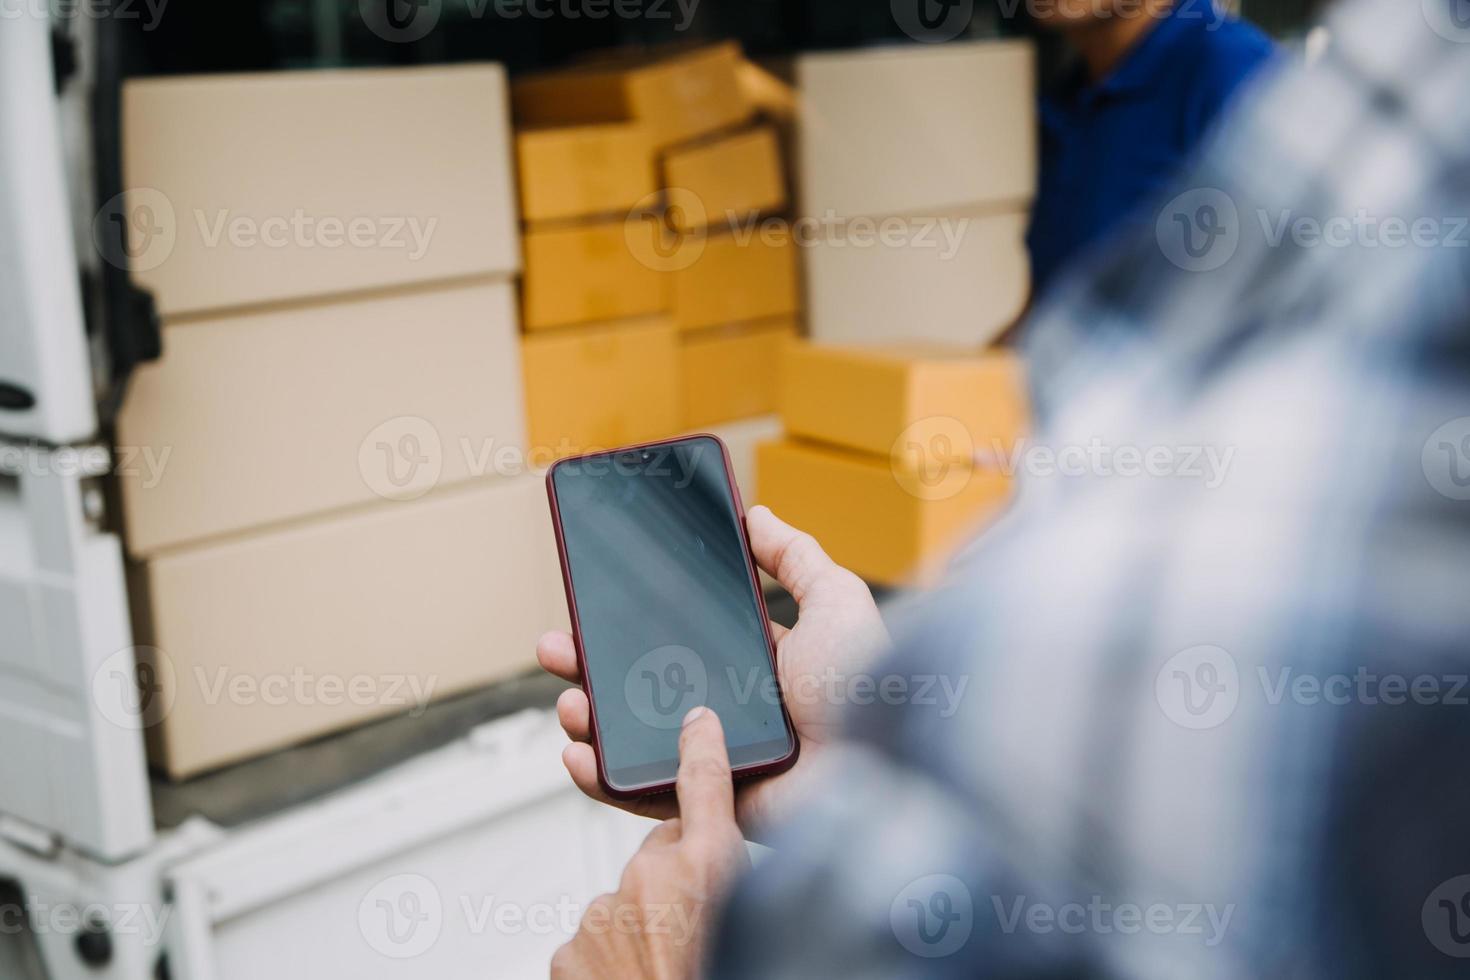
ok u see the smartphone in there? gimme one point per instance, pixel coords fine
(667, 610)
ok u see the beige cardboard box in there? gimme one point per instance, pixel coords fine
(601, 386)
(960, 278)
(250, 189)
(736, 278)
(731, 178)
(917, 129)
(679, 95)
(583, 171)
(733, 372)
(955, 402)
(587, 273)
(274, 416)
(888, 522)
(275, 638)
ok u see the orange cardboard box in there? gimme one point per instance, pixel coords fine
(677, 97)
(730, 177)
(955, 402)
(891, 523)
(733, 372)
(583, 171)
(602, 386)
(737, 277)
(586, 274)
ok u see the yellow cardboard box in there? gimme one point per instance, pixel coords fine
(891, 523)
(583, 171)
(271, 639)
(737, 277)
(678, 96)
(731, 178)
(733, 372)
(275, 186)
(586, 274)
(597, 387)
(950, 402)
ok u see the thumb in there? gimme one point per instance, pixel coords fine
(792, 557)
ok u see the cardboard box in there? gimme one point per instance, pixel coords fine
(954, 279)
(731, 177)
(917, 129)
(599, 387)
(737, 278)
(274, 416)
(678, 96)
(252, 189)
(583, 171)
(276, 638)
(958, 402)
(586, 274)
(891, 525)
(773, 96)
(733, 372)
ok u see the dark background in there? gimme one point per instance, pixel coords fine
(247, 35)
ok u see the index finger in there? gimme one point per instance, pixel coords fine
(704, 786)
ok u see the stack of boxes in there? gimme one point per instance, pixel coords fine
(893, 455)
(919, 164)
(658, 296)
(311, 479)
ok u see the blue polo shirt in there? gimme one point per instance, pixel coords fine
(1108, 148)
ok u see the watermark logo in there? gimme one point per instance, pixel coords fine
(933, 916)
(665, 684)
(1450, 19)
(401, 21)
(666, 231)
(931, 458)
(402, 459)
(932, 21)
(1446, 917)
(1198, 688)
(1446, 459)
(136, 230)
(134, 688)
(401, 917)
(1199, 231)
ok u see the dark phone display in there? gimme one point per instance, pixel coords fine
(667, 608)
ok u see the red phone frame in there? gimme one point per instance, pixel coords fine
(742, 772)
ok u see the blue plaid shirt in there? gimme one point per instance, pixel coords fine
(1209, 726)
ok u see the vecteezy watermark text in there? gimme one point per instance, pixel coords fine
(1202, 686)
(149, 12)
(407, 21)
(403, 917)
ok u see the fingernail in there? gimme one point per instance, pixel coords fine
(695, 714)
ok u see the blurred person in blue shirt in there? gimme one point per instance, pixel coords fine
(1161, 722)
(1151, 77)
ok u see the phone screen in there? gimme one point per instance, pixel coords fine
(667, 607)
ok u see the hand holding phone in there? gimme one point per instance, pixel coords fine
(838, 633)
(667, 613)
